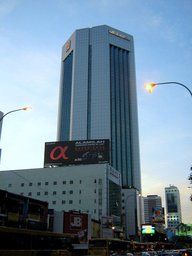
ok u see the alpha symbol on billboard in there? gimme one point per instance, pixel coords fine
(59, 152)
(76, 222)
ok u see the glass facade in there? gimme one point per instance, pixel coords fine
(98, 96)
(121, 157)
(66, 97)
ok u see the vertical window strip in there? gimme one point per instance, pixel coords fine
(89, 93)
(122, 115)
(128, 122)
(113, 109)
(66, 102)
(117, 94)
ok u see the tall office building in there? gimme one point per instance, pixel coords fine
(173, 207)
(151, 203)
(98, 98)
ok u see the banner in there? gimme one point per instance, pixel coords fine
(76, 152)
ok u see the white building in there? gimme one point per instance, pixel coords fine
(95, 189)
(173, 207)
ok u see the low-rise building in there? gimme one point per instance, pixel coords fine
(94, 188)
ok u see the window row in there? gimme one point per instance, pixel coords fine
(46, 183)
(46, 193)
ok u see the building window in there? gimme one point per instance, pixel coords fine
(79, 191)
(95, 181)
(95, 191)
(53, 202)
(71, 192)
(29, 194)
(63, 201)
(95, 201)
(45, 193)
(55, 183)
(64, 192)
(38, 183)
(70, 201)
(71, 182)
(79, 201)
(22, 194)
(30, 184)
(38, 193)
(10, 185)
(80, 182)
(54, 193)
(22, 184)
(64, 182)
(46, 183)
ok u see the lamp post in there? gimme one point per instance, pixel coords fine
(15, 110)
(150, 86)
(3, 115)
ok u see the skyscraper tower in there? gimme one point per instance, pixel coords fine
(98, 96)
(98, 99)
(173, 207)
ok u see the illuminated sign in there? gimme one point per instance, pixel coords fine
(147, 230)
(76, 152)
(119, 35)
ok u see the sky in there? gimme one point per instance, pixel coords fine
(32, 33)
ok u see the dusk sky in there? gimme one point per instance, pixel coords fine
(32, 33)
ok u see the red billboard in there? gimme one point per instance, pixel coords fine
(76, 224)
(76, 152)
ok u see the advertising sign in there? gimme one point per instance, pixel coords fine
(76, 152)
(77, 224)
(158, 215)
(147, 229)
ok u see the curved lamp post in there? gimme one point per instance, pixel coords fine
(15, 110)
(150, 86)
(3, 115)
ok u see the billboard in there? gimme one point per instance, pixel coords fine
(76, 152)
(76, 223)
(147, 229)
(158, 215)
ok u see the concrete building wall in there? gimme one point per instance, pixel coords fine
(83, 187)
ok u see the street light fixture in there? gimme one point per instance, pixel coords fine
(3, 115)
(150, 86)
(15, 110)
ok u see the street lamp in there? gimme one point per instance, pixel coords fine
(3, 115)
(15, 110)
(150, 86)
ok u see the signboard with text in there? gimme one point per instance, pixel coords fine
(76, 152)
(76, 224)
